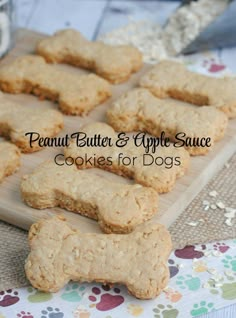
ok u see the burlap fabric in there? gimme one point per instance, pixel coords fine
(213, 226)
(14, 247)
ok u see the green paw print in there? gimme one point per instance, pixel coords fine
(37, 296)
(189, 282)
(201, 308)
(227, 290)
(230, 262)
(73, 293)
(168, 311)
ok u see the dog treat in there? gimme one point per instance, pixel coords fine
(172, 79)
(9, 159)
(118, 207)
(168, 162)
(140, 110)
(17, 120)
(76, 94)
(137, 260)
(115, 63)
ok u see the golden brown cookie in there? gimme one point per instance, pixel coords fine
(16, 120)
(76, 94)
(158, 169)
(138, 109)
(115, 63)
(9, 159)
(118, 207)
(59, 254)
(173, 79)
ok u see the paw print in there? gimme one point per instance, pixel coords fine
(201, 308)
(173, 295)
(211, 285)
(81, 312)
(213, 66)
(8, 298)
(230, 262)
(37, 296)
(199, 267)
(173, 268)
(49, 312)
(226, 290)
(168, 311)
(189, 282)
(73, 293)
(107, 301)
(24, 314)
(135, 310)
(189, 252)
(221, 247)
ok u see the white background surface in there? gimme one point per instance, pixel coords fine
(93, 17)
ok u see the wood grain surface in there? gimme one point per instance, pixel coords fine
(202, 168)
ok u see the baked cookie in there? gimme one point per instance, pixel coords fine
(173, 79)
(17, 120)
(140, 110)
(118, 207)
(9, 159)
(59, 254)
(115, 63)
(76, 94)
(160, 175)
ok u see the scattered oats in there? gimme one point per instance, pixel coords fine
(228, 272)
(230, 210)
(207, 253)
(206, 285)
(228, 222)
(217, 278)
(216, 253)
(205, 202)
(167, 288)
(220, 205)
(230, 215)
(180, 265)
(213, 206)
(185, 24)
(145, 35)
(198, 248)
(157, 43)
(192, 223)
(227, 165)
(79, 309)
(212, 271)
(206, 208)
(213, 194)
(201, 220)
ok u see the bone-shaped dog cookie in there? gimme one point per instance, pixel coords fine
(17, 120)
(137, 260)
(140, 110)
(118, 207)
(9, 159)
(157, 176)
(172, 79)
(76, 94)
(115, 63)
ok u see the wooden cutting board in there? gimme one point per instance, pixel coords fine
(202, 168)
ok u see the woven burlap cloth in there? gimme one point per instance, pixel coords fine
(14, 246)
